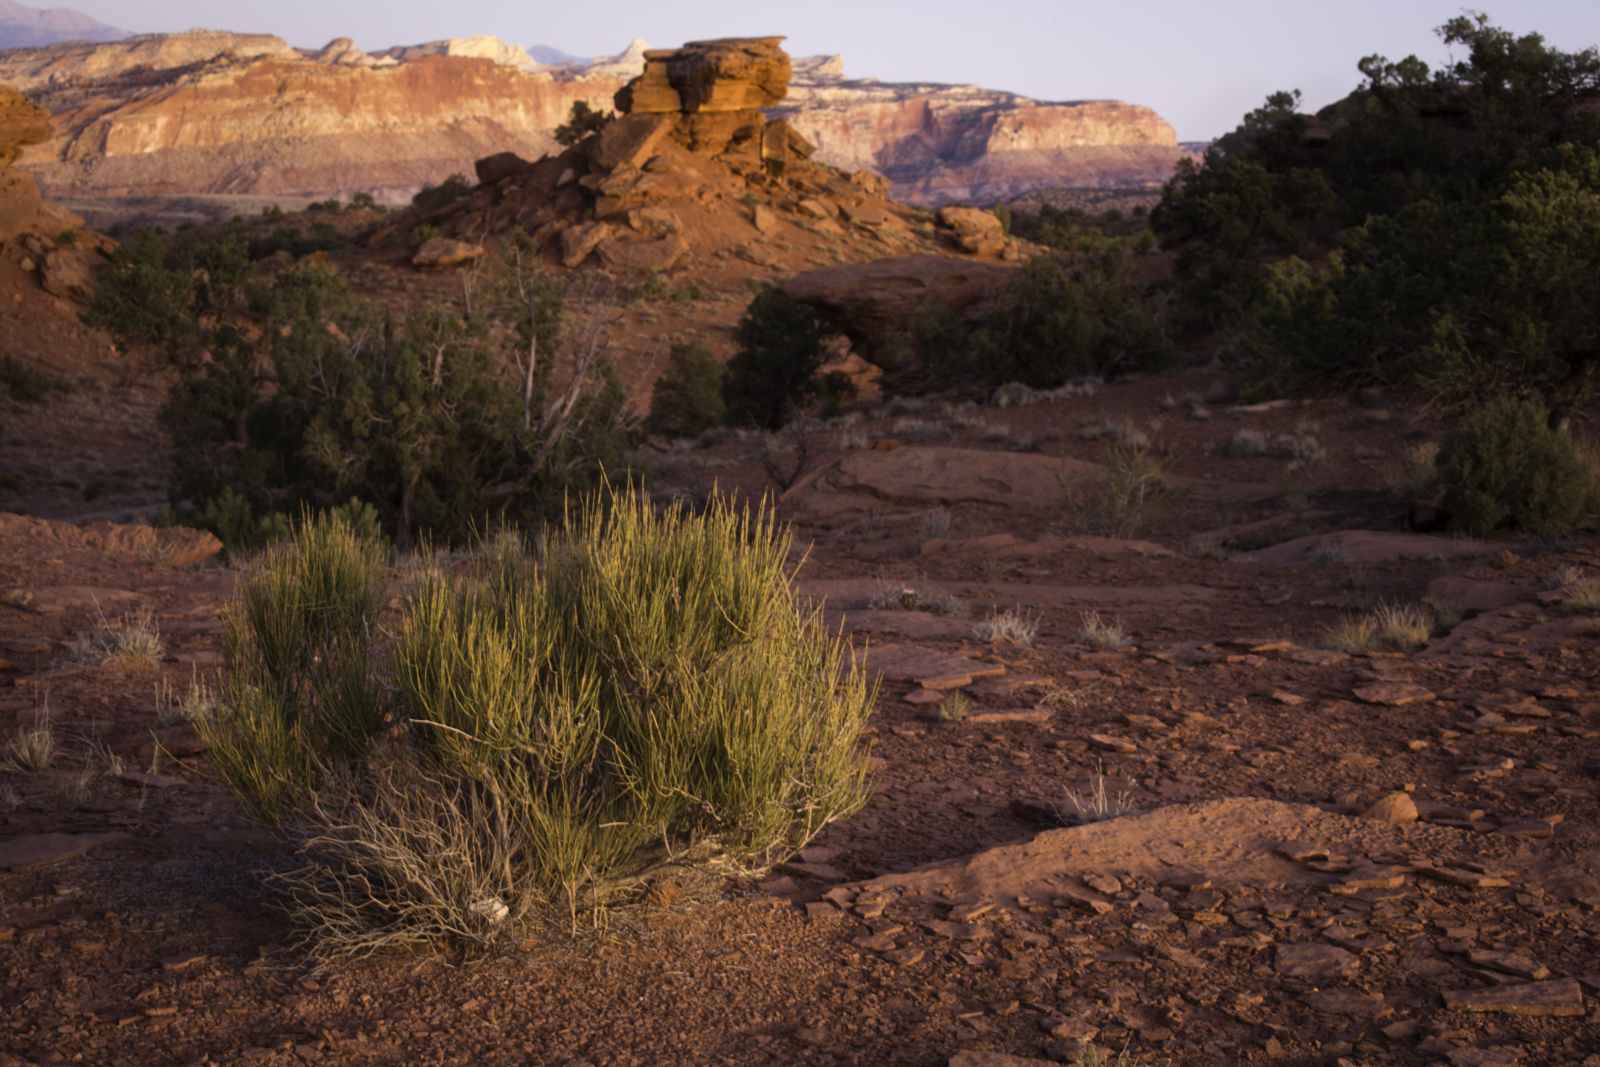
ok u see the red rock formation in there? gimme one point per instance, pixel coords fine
(959, 143)
(239, 115)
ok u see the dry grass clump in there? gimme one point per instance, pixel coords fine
(953, 708)
(1207, 548)
(199, 701)
(1397, 626)
(936, 524)
(1015, 394)
(1414, 475)
(1582, 599)
(1568, 574)
(33, 748)
(1010, 627)
(1100, 805)
(854, 441)
(1102, 633)
(1247, 443)
(132, 641)
(908, 598)
(533, 737)
(1129, 496)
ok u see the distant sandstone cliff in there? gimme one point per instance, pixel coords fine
(940, 144)
(214, 112)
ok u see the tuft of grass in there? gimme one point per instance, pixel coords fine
(1399, 626)
(1351, 633)
(1563, 576)
(1011, 627)
(1582, 599)
(1446, 616)
(10, 799)
(1208, 548)
(954, 707)
(936, 524)
(996, 431)
(1331, 553)
(1075, 697)
(101, 752)
(1414, 476)
(994, 569)
(1247, 443)
(1100, 805)
(1101, 633)
(1127, 497)
(34, 748)
(132, 641)
(199, 701)
(1403, 626)
(907, 598)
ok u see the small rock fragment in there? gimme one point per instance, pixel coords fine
(1396, 807)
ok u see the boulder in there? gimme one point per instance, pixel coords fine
(865, 300)
(69, 272)
(500, 166)
(442, 253)
(713, 133)
(629, 141)
(1396, 807)
(578, 241)
(641, 256)
(729, 74)
(659, 221)
(762, 218)
(978, 232)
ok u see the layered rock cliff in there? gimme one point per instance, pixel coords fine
(212, 112)
(961, 144)
(247, 114)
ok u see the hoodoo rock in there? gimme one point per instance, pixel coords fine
(730, 74)
(63, 271)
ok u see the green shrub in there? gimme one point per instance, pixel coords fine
(331, 204)
(29, 385)
(533, 738)
(433, 197)
(1074, 312)
(774, 374)
(230, 517)
(424, 233)
(688, 395)
(1509, 470)
(582, 120)
(67, 238)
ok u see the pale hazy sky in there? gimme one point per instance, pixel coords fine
(1200, 65)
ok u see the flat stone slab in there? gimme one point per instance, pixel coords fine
(1564, 996)
(1393, 694)
(38, 849)
(928, 668)
(57, 599)
(1508, 963)
(1344, 1002)
(1013, 715)
(1315, 961)
(1112, 743)
(1466, 879)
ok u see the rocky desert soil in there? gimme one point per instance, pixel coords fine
(1380, 858)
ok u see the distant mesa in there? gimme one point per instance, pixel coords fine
(30, 27)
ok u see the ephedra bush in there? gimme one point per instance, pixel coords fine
(539, 734)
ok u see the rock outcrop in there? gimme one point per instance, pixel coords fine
(712, 176)
(961, 144)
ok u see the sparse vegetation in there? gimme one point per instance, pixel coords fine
(1010, 627)
(34, 747)
(29, 385)
(1398, 626)
(538, 736)
(1097, 632)
(1248, 443)
(198, 701)
(582, 120)
(1129, 496)
(954, 707)
(433, 197)
(1415, 475)
(936, 524)
(1582, 599)
(132, 641)
(1100, 804)
(909, 598)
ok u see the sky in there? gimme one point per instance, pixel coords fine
(1201, 66)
